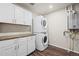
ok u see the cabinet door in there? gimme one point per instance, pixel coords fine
(28, 18)
(6, 12)
(5, 43)
(7, 47)
(8, 51)
(22, 47)
(31, 44)
(19, 15)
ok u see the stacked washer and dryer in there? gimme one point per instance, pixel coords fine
(40, 29)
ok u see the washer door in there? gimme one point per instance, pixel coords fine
(45, 40)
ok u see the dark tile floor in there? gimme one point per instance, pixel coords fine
(53, 51)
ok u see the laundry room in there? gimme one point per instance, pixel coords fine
(39, 29)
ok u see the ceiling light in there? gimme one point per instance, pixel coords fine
(50, 6)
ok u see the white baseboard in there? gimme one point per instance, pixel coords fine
(64, 48)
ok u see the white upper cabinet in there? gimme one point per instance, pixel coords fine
(19, 15)
(6, 12)
(22, 16)
(27, 17)
(10, 13)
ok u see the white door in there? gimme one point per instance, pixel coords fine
(28, 17)
(19, 15)
(8, 47)
(22, 47)
(8, 51)
(31, 44)
(6, 12)
(5, 43)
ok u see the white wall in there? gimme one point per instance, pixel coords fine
(57, 24)
(56, 27)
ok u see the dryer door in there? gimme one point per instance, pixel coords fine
(44, 23)
(45, 40)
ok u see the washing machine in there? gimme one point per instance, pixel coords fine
(41, 41)
(39, 24)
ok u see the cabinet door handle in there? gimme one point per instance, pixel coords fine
(18, 46)
(15, 47)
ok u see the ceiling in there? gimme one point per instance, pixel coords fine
(43, 8)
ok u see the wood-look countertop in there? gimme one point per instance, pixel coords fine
(12, 35)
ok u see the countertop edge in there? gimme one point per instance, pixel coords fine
(17, 37)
